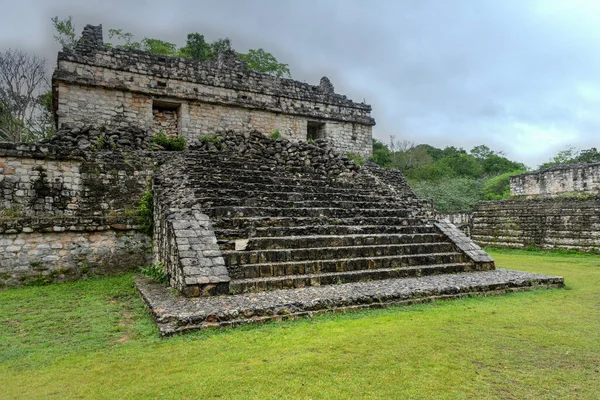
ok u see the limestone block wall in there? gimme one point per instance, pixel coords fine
(67, 214)
(184, 240)
(82, 105)
(166, 121)
(50, 181)
(544, 223)
(101, 85)
(34, 250)
(555, 181)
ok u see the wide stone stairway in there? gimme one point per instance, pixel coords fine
(299, 230)
(280, 229)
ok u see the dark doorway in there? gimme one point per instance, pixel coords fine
(315, 130)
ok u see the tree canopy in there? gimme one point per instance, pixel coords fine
(454, 178)
(571, 155)
(196, 47)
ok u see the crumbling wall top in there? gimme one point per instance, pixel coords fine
(227, 71)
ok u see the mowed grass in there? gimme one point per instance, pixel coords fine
(94, 339)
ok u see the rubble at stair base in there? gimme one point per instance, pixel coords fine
(178, 314)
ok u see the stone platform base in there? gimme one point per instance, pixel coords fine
(177, 314)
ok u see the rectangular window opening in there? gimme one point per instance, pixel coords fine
(315, 130)
(165, 117)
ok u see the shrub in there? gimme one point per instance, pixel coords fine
(156, 272)
(176, 143)
(146, 211)
(498, 187)
(214, 139)
(275, 135)
(450, 195)
(356, 158)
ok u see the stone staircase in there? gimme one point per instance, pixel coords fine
(281, 228)
(252, 229)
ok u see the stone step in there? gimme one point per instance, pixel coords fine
(279, 180)
(221, 201)
(177, 314)
(238, 258)
(250, 168)
(200, 161)
(289, 242)
(232, 161)
(314, 212)
(293, 196)
(204, 186)
(318, 229)
(256, 222)
(266, 270)
(237, 286)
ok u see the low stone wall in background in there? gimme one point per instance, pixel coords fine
(556, 181)
(559, 223)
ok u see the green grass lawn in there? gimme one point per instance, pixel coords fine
(94, 339)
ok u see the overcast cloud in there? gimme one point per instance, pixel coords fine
(520, 76)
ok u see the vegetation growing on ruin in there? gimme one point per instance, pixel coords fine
(196, 47)
(67, 341)
(146, 211)
(275, 135)
(214, 139)
(498, 187)
(356, 158)
(176, 143)
(157, 272)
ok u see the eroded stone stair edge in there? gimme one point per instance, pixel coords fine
(464, 243)
(178, 314)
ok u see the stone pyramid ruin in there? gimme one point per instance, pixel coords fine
(263, 216)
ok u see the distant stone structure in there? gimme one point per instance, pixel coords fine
(115, 88)
(555, 208)
(574, 179)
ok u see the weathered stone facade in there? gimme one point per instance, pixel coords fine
(44, 250)
(577, 179)
(63, 212)
(555, 208)
(119, 88)
(559, 223)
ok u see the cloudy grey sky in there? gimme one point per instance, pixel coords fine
(521, 76)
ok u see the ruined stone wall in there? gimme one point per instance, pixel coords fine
(83, 105)
(555, 181)
(50, 181)
(101, 85)
(67, 214)
(545, 223)
(34, 250)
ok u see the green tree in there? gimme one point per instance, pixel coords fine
(566, 156)
(451, 194)
(462, 164)
(126, 39)
(498, 187)
(196, 47)
(382, 155)
(159, 47)
(262, 61)
(220, 46)
(64, 31)
(589, 155)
